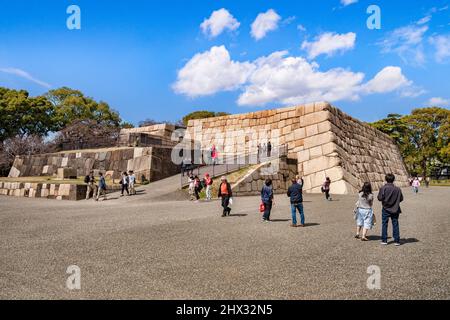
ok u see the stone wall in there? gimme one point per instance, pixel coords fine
(325, 141)
(147, 163)
(43, 190)
(156, 135)
(281, 171)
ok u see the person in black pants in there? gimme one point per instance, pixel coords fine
(267, 199)
(124, 182)
(226, 194)
(269, 149)
(390, 196)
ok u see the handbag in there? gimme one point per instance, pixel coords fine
(262, 207)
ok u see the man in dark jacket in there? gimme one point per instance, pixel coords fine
(267, 199)
(390, 197)
(226, 194)
(295, 192)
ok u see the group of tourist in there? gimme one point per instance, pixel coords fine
(196, 185)
(127, 182)
(389, 195)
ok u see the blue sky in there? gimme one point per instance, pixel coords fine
(163, 59)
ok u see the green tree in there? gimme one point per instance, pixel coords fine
(23, 115)
(422, 137)
(202, 115)
(71, 105)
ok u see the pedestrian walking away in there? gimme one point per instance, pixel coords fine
(364, 212)
(91, 186)
(269, 149)
(267, 199)
(390, 197)
(101, 187)
(295, 193)
(226, 194)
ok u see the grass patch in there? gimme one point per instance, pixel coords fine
(440, 183)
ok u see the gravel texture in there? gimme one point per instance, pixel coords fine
(151, 247)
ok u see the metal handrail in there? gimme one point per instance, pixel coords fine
(229, 168)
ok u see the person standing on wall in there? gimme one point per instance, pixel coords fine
(269, 149)
(295, 193)
(267, 199)
(390, 196)
(225, 193)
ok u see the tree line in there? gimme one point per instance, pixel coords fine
(60, 119)
(422, 137)
(65, 116)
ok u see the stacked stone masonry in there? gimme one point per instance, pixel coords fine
(281, 171)
(325, 141)
(150, 163)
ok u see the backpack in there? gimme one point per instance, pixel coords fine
(87, 179)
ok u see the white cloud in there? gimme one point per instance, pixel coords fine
(329, 43)
(264, 23)
(282, 79)
(301, 27)
(210, 72)
(387, 80)
(25, 75)
(219, 21)
(424, 20)
(289, 20)
(290, 80)
(438, 102)
(348, 2)
(442, 47)
(407, 43)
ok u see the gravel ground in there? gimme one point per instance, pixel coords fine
(144, 247)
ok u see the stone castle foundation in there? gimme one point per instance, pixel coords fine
(325, 141)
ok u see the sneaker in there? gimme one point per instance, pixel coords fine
(293, 225)
(384, 243)
(397, 244)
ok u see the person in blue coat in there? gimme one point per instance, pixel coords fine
(267, 199)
